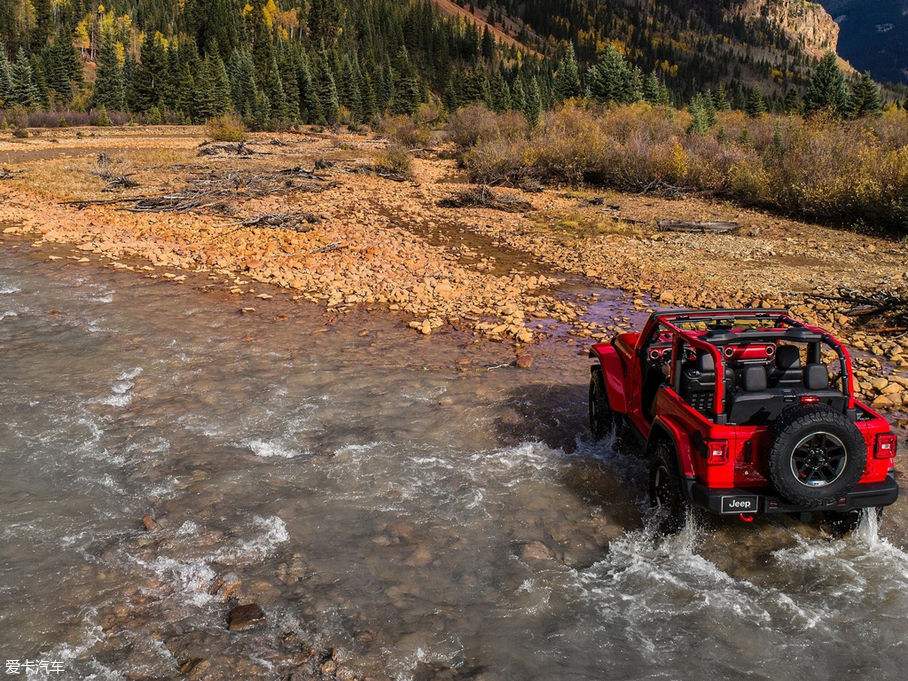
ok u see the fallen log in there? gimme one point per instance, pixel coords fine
(299, 222)
(226, 149)
(685, 226)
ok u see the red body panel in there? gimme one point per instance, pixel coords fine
(688, 428)
(613, 371)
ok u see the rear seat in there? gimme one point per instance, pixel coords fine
(755, 403)
(787, 372)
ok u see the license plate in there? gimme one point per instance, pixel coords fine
(739, 504)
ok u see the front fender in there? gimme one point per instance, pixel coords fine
(613, 373)
(666, 426)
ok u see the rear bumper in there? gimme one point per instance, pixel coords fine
(737, 500)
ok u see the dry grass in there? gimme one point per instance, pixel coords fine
(855, 171)
(404, 131)
(394, 160)
(226, 128)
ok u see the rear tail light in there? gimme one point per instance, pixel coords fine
(716, 451)
(885, 446)
(810, 399)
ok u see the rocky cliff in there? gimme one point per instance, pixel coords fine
(804, 23)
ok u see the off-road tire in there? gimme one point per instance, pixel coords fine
(814, 454)
(602, 418)
(665, 494)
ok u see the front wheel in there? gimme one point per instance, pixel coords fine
(665, 494)
(602, 418)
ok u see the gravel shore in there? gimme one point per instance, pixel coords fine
(376, 242)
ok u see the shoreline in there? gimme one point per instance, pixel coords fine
(374, 242)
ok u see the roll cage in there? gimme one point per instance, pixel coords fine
(716, 331)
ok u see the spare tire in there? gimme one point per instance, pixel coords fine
(815, 454)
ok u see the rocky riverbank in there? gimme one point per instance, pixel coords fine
(368, 240)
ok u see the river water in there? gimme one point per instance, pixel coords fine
(408, 502)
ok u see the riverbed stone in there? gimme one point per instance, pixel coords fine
(245, 616)
(881, 402)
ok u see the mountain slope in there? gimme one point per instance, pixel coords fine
(691, 44)
(874, 36)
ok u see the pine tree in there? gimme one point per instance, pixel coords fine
(756, 105)
(865, 97)
(488, 45)
(63, 69)
(567, 77)
(289, 81)
(518, 96)
(186, 92)
(700, 107)
(451, 95)
(109, 87)
(220, 85)
(499, 93)
(348, 88)
(40, 81)
(274, 90)
(150, 73)
(242, 83)
(474, 88)
(23, 91)
(370, 112)
(651, 88)
(43, 26)
(203, 106)
(170, 83)
(6, 76)
(407, 96)
(791, 103)
(310, 106)
(612, 80)
(533, 104)
(827, 89)
(261, 111)
(720, 98)
(327, 93)
(738, 98)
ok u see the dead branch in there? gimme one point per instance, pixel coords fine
(105, 169)
(663, 188)
(226, 149)
(484, 197)
(299, 222)
(333, 246)
(684, 226)
(884, 307)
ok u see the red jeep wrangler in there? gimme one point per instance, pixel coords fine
(743, 412)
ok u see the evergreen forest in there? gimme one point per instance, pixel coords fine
(285, 62)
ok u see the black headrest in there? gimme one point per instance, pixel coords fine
(705, 362)
(788, 357)
(816, 377)
(754, 378)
